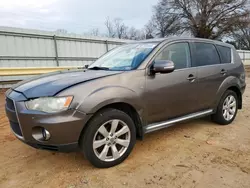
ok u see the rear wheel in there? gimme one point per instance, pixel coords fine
(109, 138)
(227, 108)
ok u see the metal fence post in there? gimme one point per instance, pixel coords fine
(244, 57)
(107, 45)
(56, 51)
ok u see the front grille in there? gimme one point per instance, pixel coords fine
(10, 104)
(16, 128)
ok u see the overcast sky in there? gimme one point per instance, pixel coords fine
(76, 16)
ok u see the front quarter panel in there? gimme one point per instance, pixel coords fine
(109, 95)
(127, 88)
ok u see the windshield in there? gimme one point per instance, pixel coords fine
(125, 57)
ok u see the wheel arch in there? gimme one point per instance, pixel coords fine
(126, 108)
(231, 83)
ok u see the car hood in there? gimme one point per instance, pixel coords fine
(52, 83)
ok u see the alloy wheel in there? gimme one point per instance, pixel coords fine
(111, 140)
(229, 107)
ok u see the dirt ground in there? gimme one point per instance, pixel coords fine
(196, 154)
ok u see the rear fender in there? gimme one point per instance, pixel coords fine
(230, 81)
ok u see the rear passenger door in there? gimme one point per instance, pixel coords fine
(210, 73)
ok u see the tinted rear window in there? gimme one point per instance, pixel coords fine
(225, 54)
(205, 54)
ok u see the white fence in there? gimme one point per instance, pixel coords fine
(32, 48)
(245, 56)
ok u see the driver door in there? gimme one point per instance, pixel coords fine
(173, 94)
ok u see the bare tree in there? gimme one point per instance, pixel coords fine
(120, 28)
(233, 42)
(149, 30)
(241, 36)
(116, 28)
(135, 34)
(164, 20)
(110, 28)
(62, 31)
(204, 18)
(95, 32)
(132, 33)
(141, 34)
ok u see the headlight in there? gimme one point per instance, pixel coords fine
(49, 104)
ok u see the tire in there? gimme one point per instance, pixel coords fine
(116, 143)
(221, 117)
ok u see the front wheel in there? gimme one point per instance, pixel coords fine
(109, 138)
(227, 108)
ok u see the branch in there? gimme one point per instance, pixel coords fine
(225, 12)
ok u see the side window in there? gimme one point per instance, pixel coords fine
(179, 53)
(225, 54)
(205, 54)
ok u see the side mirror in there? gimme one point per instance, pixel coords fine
(163, 66)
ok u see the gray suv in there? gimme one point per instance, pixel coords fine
(132, 90)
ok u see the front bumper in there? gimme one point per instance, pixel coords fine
(65, 127)
(60, 148)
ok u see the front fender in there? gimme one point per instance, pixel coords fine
(109, 95)
(230, 81)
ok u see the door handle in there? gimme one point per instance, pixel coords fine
(223, 72)
(191, 78)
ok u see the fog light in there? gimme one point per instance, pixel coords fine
(40, 134)
(46, 134)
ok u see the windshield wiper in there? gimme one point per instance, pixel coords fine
(98, 68)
